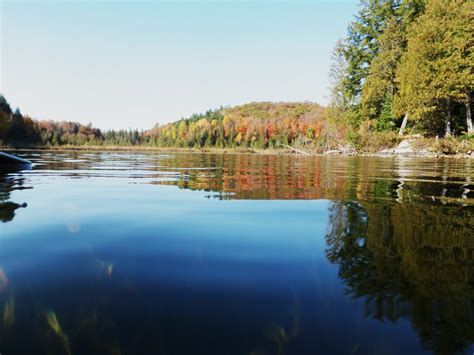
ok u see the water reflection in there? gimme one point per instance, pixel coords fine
(134, 259)
(409, 261)
(9, 181)
(251, 176)
(287, 177)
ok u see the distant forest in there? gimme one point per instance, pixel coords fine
(254, 125)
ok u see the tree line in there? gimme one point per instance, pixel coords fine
(256, 125)
(21, 130)
(406, 62)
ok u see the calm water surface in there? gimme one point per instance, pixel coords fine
(153, 253)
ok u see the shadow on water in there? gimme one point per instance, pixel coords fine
(400, 237)
(10, 180)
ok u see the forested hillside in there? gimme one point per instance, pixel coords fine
(406, 62)
(255, 125)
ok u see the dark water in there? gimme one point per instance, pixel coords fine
(133, 253)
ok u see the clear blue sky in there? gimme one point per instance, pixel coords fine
(121, 64)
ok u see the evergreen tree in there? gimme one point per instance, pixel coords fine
(362, 43)
(5, 112)
(4, 105)
(380, 85)
(436, 73)
(372, 51)
(17, 127)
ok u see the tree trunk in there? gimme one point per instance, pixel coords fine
(404, 124)
(448, 124)
(470, 128)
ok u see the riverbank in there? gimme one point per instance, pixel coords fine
(410, 146)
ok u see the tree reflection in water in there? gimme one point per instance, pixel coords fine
(401, 230)
(9, 183)
(409, 261)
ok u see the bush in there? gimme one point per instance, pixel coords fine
(454, 145)
(370, 142)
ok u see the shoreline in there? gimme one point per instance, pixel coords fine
(385, 153)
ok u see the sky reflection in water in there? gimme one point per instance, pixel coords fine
(121, 253)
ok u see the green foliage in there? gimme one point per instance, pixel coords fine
(368, 140)
(436, 72)
(467, 137)
(362, 43)
(365, 63)
(371, 142)
(386, 121)
(380, 86)
(410, 57)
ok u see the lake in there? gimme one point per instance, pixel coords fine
(187, 253)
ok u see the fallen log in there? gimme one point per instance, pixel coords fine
(296, 150)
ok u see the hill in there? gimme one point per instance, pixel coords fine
(258, 125)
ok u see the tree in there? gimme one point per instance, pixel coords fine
(5, 112)
(4, 105)
(365, 63)
(436, 73)
(340, 97)
(362, 43)
(380, 86)
(17, 127)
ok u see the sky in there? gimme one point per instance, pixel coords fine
(132, 64)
